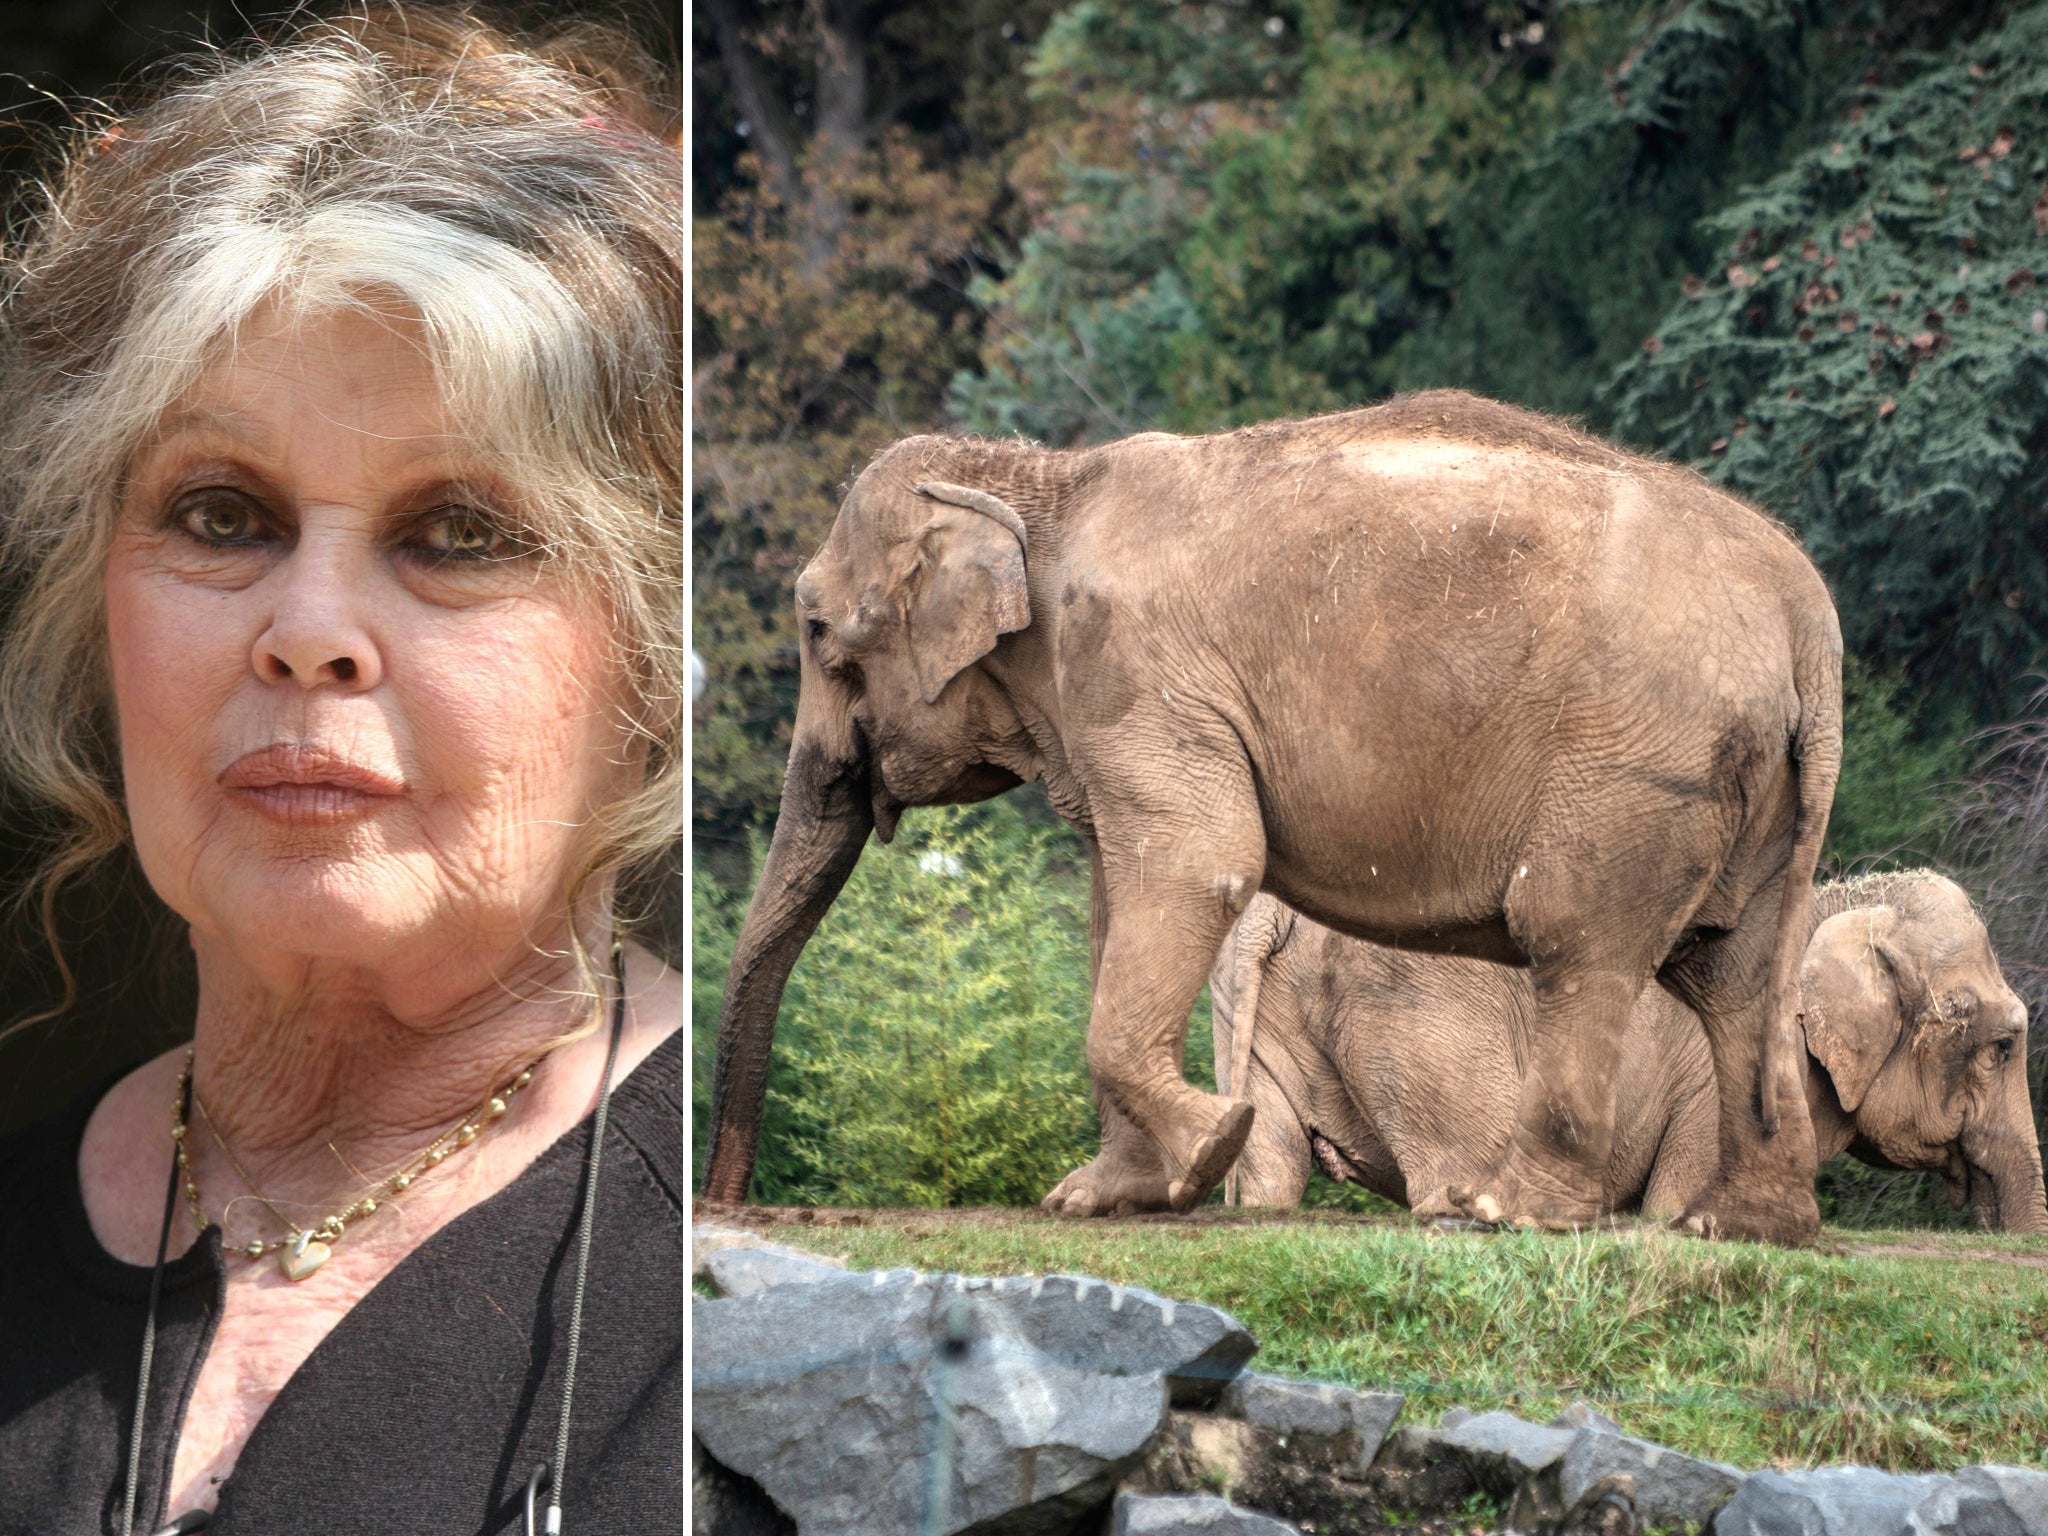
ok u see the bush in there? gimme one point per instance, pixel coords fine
(930, 1050)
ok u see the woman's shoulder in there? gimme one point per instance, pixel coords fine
(44, 1152)
(647, 1105)
(42, 1191)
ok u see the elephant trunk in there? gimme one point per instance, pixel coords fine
(826, 814)
(2010, 1158)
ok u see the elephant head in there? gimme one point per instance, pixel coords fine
(918, 580)
(1925, 1046)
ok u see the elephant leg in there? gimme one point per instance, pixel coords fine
(1274, 1168)
(1689, 1151)
(1173, 890)
(1554, 1171)
(1589, 964)
(1763, 1188)
(1127, 1175)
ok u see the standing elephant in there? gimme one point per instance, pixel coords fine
(1400, 1072)
(1441, 673)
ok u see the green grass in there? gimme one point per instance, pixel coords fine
(1744, 1354)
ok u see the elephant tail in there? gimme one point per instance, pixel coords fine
(1257, 933)
(1817, 758)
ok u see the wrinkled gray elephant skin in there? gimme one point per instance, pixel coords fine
(1442, 674)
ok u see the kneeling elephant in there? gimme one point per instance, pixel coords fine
(1402, 1071)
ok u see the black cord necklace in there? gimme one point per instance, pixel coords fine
(548, 1475)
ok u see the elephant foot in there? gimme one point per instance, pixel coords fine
(1762, 1193)
(1733, 1212)
(1108, 1186)
(1215, 1150)
(1123, 1182)
(1509, 1199)
(1435, 1207)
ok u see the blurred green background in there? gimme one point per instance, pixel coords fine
(1801, 245)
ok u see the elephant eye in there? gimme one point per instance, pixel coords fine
(2001, 1051)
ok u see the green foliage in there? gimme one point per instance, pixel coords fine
(1562, 261)
(930, 1047)
(1743, 1354)
(1865, 362)
(1241, 221)
(1889, 807)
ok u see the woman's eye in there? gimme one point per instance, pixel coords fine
(463, 534)
(220, 518)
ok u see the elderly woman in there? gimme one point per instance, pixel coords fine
(342, 510)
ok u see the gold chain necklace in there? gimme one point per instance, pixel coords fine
(308, 1247)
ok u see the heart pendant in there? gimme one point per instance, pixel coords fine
(302, 1255)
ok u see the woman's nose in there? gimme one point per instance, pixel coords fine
(318, 632)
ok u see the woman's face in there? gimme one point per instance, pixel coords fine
(359, 720)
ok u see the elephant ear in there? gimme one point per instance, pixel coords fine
(966, 586)
(1850, 998)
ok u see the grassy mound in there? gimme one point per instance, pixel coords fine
(1913, 1351)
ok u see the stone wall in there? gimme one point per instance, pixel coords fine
(831, 1402)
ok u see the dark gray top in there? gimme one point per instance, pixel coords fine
(432, 1400)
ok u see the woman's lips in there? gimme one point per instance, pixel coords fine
(305, 785)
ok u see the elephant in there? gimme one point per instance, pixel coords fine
(1399, 1071)
(1440, 673)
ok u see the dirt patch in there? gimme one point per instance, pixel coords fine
(761, 1218)
(1947, 1251)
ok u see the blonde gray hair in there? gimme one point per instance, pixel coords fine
(521, 198)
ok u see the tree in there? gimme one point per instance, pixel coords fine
(1240, 215)
(930, 1048)
(847, 167)
(1868, 359)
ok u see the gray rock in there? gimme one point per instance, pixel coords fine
(839, 1397)
(1308, 1410)
(1669, 1487)
(722, 1503)
(1453, 1417)
(1841, 1501)
(1504, 1449)
(1122, 1330)
(1982, 1492)
(1180, 1514)
(1584, 1416)
(705, 1241)
(743, 1271)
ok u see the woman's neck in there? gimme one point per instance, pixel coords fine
(318, 1082)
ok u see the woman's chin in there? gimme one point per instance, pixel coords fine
(336, 913)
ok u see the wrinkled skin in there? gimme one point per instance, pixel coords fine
(1441, 674)
(1399, 1071)
(1917, 1048)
